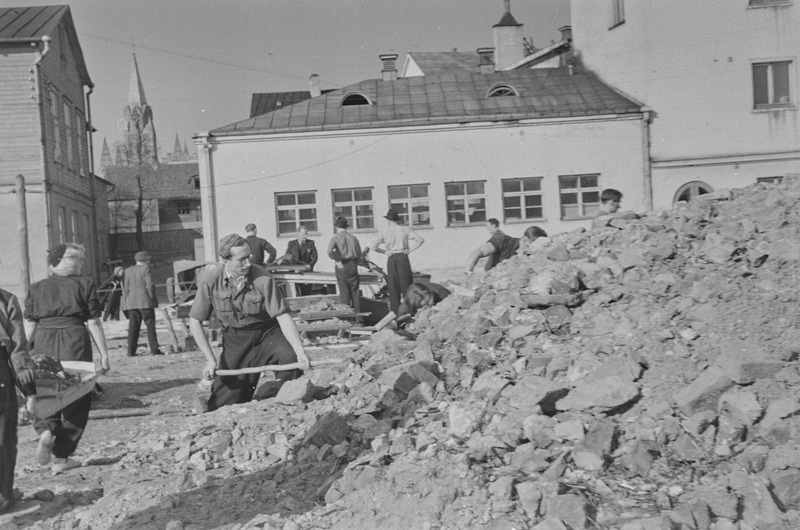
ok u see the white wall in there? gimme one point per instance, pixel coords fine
(247, 172)
(691, 62)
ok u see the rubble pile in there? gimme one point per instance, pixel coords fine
(642, 378)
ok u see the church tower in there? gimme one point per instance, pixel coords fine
(141, 133)
(105, 158)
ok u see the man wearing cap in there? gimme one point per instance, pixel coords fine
(398, 242)
(259, 247)
(257, 329)
(139, 302)
(345, 250)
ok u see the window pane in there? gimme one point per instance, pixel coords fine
(364, 209)
(511, 185)
(400, 206)
(533, 213)
(342, 211)
(307, 213)
(760, 84)
(286, 215)
(569, 198)
(589, 181)
(511, 202)
(311, 226)
(455, 218)
(420, 190)
(534, 184)
(306, 198)
(342, 195)
(454, 188)
(477, 216)
(365, 222)
(591, 209)
(398, 192)
(569, 211)
(780, 79)
(421, 213)
(533, 200)
(568, 182)
(591, 196)
(286, 228)
(363, 194)
(285, 200)
(513, 214)
(475, 188)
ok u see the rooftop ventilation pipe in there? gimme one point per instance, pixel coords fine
(389, 66)
(486, 64)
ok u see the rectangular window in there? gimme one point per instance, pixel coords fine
(62, 224)
(296, 209)
(466, 202)
(770, 180)
(56, 126)
(80, 136)
(68, 132)
(412, 203)
(522, 199)
(580, 196)
(183, 207)
(75, 231)
(355, 205)
(771, 84)
(617, 12)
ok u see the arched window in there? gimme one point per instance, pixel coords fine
(692, 189)
(355, 99)
(502, 91)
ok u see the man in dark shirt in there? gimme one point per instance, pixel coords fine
(345, 250)
(301, 250)
(500, 246)
(259, 247)
(257, 328)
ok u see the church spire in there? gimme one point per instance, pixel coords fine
(105, 157)
(136, 90)
(176, 149)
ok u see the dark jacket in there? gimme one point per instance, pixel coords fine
(305, 253)
(260, 248)
(138, 289)
(13, 344)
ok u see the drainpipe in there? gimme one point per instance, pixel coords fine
(647, 167)
(207, 198)
(93, 212)
(39, 84)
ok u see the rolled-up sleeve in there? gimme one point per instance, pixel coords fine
(274, 304)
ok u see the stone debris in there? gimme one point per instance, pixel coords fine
(636, 378)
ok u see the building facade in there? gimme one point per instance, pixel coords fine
(721, 79)
(44, 129)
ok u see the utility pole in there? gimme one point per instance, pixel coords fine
(22, 230)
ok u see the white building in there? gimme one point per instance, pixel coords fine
(721, 79)
(450, 147)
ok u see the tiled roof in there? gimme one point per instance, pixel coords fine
(169, 181)
(36, 22)
(448, 98)
(269, 101)
(437, 63)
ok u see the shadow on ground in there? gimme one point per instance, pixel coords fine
(128, 395)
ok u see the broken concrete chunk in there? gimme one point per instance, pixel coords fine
(704, 392)
(532, 391)
(742, 404)
(330, 428)
(745, 361)
(529, 497)
(404, 377)
(462, 421)
(296, 390)
(489, 384)
(568, 508)
(603, 395)
(592, 452)
(778, 410)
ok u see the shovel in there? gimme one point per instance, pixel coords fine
(276, 367)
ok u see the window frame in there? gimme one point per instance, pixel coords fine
(367, 100)
(770, 79)
(502, 90)
(617, 13)
(353, 218)
(580, 190)
(522, 193)
(62, 225)
(183, 205)
(295, 207)
(69, 144)
(465, 196)
(757, 4)
(407, 201)
(80, 137)
(691, 187)
(55, 117)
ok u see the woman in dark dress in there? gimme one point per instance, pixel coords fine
(64, 310)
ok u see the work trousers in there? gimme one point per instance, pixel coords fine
(349, 283)
(67, 425)
(398, 272)
(8, 433)
(135, 318)
(245, 348)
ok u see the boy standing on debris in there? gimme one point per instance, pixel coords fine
(399, 241)
(13, 358)
(257, 328)
(610, 200)
(345, 250)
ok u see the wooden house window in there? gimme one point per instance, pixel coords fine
(771, 84)
(184, 207)
(68, 132)
(56, 122)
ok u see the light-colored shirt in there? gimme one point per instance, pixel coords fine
(398, 239)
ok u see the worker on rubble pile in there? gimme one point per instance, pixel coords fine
(345, 250)
(419, 295)
(501, 246)
(257, 329)
(609, 214)
(63, 311)
(259, 246)
(398, 242)
(15, 364)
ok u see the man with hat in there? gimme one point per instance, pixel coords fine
(139, 302)
(345, 250)
(398, 242)
(259, 246)
(257, 329)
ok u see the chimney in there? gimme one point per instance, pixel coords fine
(486, 64)
(509, 42)
(389, 66)
(313, 85)
(566, 32)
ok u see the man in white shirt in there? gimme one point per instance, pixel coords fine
(398, 242)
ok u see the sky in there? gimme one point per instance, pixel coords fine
(200, 60)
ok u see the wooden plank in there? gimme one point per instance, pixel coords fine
(322, 326)
(277, 367)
